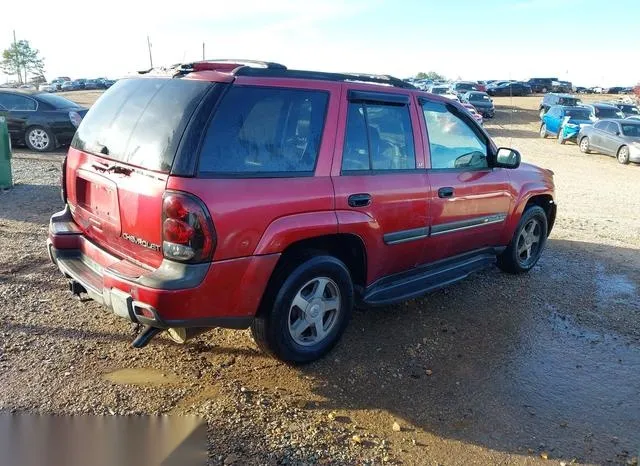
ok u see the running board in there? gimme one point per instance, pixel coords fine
(427, 278)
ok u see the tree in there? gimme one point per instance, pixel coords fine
(432, 75)
(20, 59)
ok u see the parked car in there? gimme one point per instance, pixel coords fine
(510, 88)
(40, 120)
(600, 111)
(79, 84)
(27, 87)
(474, 113)
(47, 87)
(561, 86)
(443, 90)
(482, 102)
(619, 138)
(249, 212)
(91, 84)
(57, 83)
(107, 83)
(481, 86)
(633, 118)
(616, 90)
(627, 109)
(63, 79)
(67, 86)
(598, 90)
(460, 87)
(564, 122)
(552, 99)
(542, 85)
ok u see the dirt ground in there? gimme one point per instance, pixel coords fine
(535, 369)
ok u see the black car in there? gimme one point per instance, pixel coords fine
(557, 99)
(628, 109)
(561, 86)
(509, 89)
(542, 85)
(79, 84)
(481, 102)
(90, 84)
(40, 120)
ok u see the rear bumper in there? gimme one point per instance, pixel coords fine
(217, 294)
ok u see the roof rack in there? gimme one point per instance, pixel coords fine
(244, 62)
(323, 76)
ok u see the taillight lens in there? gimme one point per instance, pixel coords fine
(63, 180)
(75, 118)
(187, 231)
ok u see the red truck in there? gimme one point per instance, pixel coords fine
(244, 194)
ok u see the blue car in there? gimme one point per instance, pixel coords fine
(564, 122)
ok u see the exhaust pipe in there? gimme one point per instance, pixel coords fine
(181, 334)
(145, 336)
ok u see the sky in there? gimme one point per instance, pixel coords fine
(588, 42)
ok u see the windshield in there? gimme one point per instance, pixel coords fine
(439, 90)
(631, 109)
(631, 129)
(57, 101)
(577, 114)
(479, 97)
(605, 112)
(568, 101)
(464, 86)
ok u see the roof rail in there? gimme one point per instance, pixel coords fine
(243, 62)
(323, 76)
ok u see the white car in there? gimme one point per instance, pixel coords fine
(47, 87)
(444, 91)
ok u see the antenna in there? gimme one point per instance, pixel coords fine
(150, 57)
(203, 51)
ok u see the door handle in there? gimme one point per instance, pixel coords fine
(359, 200)
(445, 192)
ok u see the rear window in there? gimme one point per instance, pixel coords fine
(57, 101)
(140, 121)
(259, 131)
(568, 101)
(606, 112)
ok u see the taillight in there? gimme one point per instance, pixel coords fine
(75, 118)
(187, 231)
(63, 180)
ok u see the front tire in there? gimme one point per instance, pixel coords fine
(39, 139)
(527, 244)
(561, 139)
(584, 145)
(623, 155)
(543, 131)
(305, 309)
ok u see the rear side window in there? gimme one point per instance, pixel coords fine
(17, 103)
(378, 137)
(259, 131)
(140, 121)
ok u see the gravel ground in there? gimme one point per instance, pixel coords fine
(495, 370)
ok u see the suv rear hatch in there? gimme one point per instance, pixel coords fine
(120, 159)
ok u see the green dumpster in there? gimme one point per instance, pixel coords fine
(5, 155)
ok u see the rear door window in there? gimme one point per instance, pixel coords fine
(259, 131)
(378, 137)
(140, 121)
(18, 103)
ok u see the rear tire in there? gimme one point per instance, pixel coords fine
(561, 139)
(39, 139)
(527, 244)
(623, 155)
(305, 309)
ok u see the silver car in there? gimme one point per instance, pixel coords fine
(617, 137)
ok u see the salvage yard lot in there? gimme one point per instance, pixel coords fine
(496, 369)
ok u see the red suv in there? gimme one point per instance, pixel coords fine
(244, 194)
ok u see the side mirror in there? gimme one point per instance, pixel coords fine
(507, 158)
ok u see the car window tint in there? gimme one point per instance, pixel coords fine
(452, 141)
(259, 131)
(140, 121)
(611, 128)
(378, 137)
(631, 130)
(18, 103)
(601, 125)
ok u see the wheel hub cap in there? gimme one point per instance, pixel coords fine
(314, 311)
